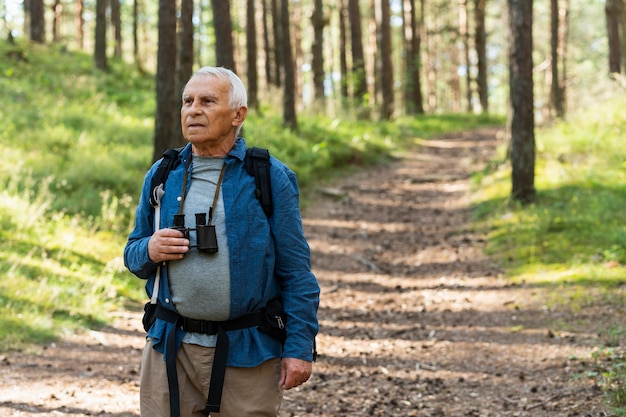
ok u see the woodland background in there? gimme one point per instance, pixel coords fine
(89, 87)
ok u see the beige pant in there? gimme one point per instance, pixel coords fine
(248, 392)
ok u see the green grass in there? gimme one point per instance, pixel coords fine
(76, 144)
(572, 241)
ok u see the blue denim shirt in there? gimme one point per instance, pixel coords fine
(268, 257)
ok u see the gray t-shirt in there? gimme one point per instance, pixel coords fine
(200, 282)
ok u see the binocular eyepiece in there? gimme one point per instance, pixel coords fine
(205, 232)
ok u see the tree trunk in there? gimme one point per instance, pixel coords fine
(295, 13)
(278, 49)
(100, 50)
(184, 67)
(26, 7)
(481, 53)
(623, 31)
(269, 74)
(556, 45)
(613, 11)
(251, 51)
(522, 123)
(358, 57)
(224, 52)
(319, 21)
(289, 99)
(386, 52)
(465, 38)
(79, 23)
(116, 23)
(413, 89)
(343, 55)
(37, 21)
(166, 100)
(136, 53)
(57, 13)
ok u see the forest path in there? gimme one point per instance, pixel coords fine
(415, 320)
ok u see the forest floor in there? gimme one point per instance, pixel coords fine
(415, 320)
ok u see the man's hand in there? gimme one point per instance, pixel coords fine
(294, 372)
(167, 245)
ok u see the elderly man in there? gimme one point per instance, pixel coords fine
(208, 348)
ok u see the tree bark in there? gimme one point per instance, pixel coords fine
(37, 21)
(289, 99)
(465, 39)
(269, 74)
(184, 67)
(481, 53)
(222, 22)
(100, 51)
(79, 23)
(358, 57)
(136, 53)
(387, 106)
(116, 23)
(613, 11)
(251, 53)
(278, 49)
(166, 101)
(319, 21)
(522, 123)
(57, 13)
(556, 46)
(343, 55)
(413, 89)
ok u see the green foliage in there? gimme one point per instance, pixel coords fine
(574, 238)
(74, 125)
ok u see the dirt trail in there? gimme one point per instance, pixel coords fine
(415, 321)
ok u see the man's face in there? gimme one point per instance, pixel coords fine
(206, 118)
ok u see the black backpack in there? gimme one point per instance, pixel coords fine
(257, 163)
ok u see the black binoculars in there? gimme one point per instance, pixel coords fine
(205, 233)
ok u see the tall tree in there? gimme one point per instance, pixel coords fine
(319, 21)
(100, 51)
(37, 21)
(358, 57)
(269, 74)
(57, 14)
(290, 119)
(184, 66)
(222, 22)
(116, 23)
(166, 100)
(480, 40)
(136, 54)
(278, 49)
(465, 39)
(522, 123)
(613, 11)
(251, 54)
(387, 105)
(343, 59)
(557, 46)
(413, 90)
(79, 23)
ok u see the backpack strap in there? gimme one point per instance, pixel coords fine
(258, 165)
(169, 162)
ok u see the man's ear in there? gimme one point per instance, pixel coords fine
(240, 116)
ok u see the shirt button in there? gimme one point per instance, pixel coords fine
(167, 300)
(179, 198)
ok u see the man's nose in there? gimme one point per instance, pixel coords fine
(195, 106)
